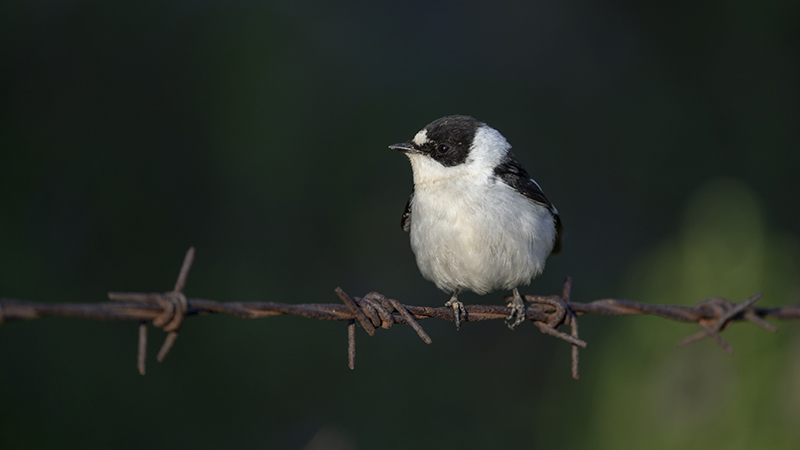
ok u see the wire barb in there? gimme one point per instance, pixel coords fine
(351, 344)
(169, 310)
(365, 323)
(174, 308)
(141, 356)
(724, 311)
(566, 292)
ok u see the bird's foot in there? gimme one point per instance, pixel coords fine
(458, 310)
(517, 315)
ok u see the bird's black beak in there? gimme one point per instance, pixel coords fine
(405, 147)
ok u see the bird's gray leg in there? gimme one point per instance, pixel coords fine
(517, 315)
(458, 308)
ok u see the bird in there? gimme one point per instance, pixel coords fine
(477, 221)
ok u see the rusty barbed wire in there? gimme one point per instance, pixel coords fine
(168, 311)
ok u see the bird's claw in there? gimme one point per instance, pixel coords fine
(458, 310)
(517, 315)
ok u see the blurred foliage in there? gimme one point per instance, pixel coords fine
(699, 397)
(257, 132)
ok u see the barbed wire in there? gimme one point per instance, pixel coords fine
(168, 311)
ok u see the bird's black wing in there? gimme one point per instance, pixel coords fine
(513, 174)
(405, 221)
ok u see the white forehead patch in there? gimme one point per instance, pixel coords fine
(421, 138)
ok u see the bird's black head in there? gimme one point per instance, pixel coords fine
(446, 140)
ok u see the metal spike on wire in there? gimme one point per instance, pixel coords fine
(175, 307)
(168, 311)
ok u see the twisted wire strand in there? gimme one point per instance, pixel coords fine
(169, 310)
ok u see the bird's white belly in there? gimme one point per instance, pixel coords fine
(478, 236)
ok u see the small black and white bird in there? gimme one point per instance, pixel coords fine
(477, 220)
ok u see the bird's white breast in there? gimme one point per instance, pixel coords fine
(469, 230)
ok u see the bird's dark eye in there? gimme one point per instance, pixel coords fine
(443, 148)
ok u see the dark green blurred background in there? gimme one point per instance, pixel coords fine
(667, 135)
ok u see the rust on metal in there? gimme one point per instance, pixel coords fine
(168, 311)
